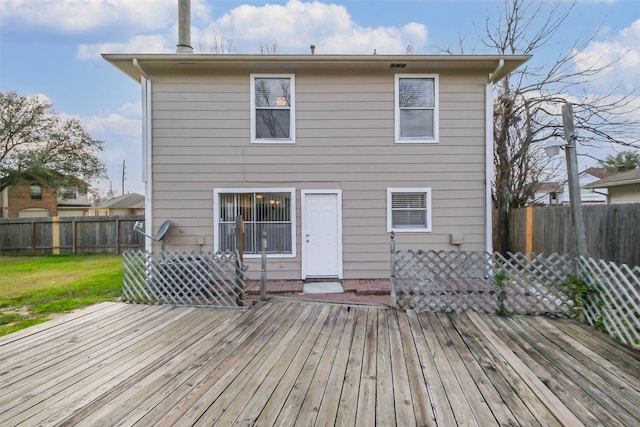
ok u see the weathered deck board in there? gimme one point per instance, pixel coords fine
(310, 407)
(301, 363)
(291, 408)
(385, 408)
(477, 377)
(498, 372)
(571, 394)
(598, 392)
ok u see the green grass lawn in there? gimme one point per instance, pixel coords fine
(32, 288)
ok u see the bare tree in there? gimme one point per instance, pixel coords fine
(218, 44)
(527, 103)
(269, 48)
(39, 146)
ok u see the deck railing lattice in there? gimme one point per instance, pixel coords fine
(601, 293)
(451, 281)
(534, 283)
(613, 302)
(184, 278)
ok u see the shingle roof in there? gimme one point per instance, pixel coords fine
(548, 187)
(126, 201)
(599, 173)
(619, 178)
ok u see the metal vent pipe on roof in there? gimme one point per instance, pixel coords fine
(184, 27)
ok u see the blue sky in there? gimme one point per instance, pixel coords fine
(52, 47)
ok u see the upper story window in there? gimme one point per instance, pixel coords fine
(68, 193)
(35, 191)
(416, 99)
(272, 108)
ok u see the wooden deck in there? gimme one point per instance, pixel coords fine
(300, 363)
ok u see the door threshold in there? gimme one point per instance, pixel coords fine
(322, 287)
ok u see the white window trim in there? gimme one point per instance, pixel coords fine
(216, 217)
(427, 192)
(436, 110)
(292, 117)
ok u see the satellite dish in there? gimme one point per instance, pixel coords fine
(160, 235)
(162, 230)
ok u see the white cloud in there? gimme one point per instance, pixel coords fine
(76, 16)
(620, 54)
(292, 26)
(121, 134)
(112, 125)
(122, 138)
(296, 25)
(138, 44)
(132, 109)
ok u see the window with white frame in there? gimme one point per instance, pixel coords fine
(272, 108)
(409, 209)
(35, 191)
(416, 105)
(270, 210)
(68, 193)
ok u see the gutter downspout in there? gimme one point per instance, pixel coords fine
(145, 83)
(496, 71)
(139, 68)
(488, 167)
(489, 172)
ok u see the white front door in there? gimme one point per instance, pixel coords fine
(321, 233)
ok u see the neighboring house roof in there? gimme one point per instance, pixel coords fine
(137, 65)
(599, 173)
(616, 179)
(126, 201)
(555, 186)
(548, 187)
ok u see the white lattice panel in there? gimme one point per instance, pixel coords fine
(458, 281)
(614, 304)
(183, 278)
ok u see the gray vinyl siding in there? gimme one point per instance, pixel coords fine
(344, 140)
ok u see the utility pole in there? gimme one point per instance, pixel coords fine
(574, 184)
(123, 176)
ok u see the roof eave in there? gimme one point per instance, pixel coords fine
(612, 184)
(183, 62)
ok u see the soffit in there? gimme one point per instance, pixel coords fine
(156, 65)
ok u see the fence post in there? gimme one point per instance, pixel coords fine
(392, 246)
(117, 236)
(529, 230)
(239, 234)
(33, 237)
(73, 236)
(55, 235)
(263, 268)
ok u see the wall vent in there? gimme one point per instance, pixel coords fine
(398, 66)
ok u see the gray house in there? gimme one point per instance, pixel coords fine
(327, 153)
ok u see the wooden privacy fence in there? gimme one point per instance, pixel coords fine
(184, 278)
(606, 295)
(612, 231)
(77, 235)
